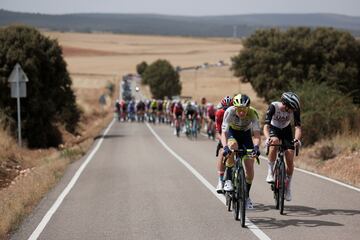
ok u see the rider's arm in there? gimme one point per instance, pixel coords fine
(256, 128)
(225, 127)
(269, 114)
(297, 123)
(218, 120)
(256, 138)
(298, 132)
(224, 138)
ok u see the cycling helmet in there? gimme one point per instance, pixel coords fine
(226, 102)
(291, 100)
(241, 100)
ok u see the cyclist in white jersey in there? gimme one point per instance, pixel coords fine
(278, 127)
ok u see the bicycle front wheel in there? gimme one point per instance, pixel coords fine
(243, 196)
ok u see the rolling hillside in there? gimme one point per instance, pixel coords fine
(203, 26)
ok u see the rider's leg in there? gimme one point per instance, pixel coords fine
(229, 164)
(249, 173)
(220, 170)
(289, 160)
(272, 158)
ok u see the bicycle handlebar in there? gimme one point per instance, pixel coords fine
(281, 145)
(244, 152)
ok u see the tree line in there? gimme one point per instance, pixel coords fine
(322, 65)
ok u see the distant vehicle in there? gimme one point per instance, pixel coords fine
(126, 88)
(205, 65)
(221, 63)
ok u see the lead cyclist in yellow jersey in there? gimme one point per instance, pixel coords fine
(239, 124)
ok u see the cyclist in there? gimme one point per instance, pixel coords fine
(225, 103)
(123, 105)
(160, 111)
(117, 110)
(210, 117)
(278, 127)
(239, 123)
(131, 110)
(177, 115)
(140, 110)
(203, 112)
(190, 116)
(153, 108)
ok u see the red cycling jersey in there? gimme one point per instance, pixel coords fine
(218, 119)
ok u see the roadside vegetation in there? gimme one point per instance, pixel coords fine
(321, 65)
(58, 128)
(162, 78)
(50, 99)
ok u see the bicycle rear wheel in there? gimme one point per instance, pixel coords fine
(276, 184)
(282, 187)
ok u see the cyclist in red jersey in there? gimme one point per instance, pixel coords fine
(177, 116)
(225, 103)
(210, 117)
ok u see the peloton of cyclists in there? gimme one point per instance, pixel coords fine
(278, 128)
(239, 123)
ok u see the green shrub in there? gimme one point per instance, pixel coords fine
(163, 79)
(323, 111)
(50, 99)
(274, 59)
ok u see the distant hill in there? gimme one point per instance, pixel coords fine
(205, 26)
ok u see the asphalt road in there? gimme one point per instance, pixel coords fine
(135, 187)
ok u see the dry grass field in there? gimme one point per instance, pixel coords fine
(115, 55)
(93, 61)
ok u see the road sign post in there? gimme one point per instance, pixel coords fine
(17, 80)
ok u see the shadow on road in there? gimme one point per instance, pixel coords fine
(273, 223)
(303, 211)
(298, 211)
(109, 136)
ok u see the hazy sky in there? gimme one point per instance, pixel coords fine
(184, 7)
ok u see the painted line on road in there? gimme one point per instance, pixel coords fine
(67, 189)
(322, 177)
(250, 225)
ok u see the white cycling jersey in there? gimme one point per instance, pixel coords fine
(251, 120)
(280, 119)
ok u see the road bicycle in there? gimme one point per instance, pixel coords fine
(280, 183)
(178, 125)
(191, 127)
(237, 198)
(211, 130)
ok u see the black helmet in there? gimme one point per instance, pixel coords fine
(291, 100)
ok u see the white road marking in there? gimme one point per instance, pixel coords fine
(251, 226)
(68, 188)
(322, 177)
